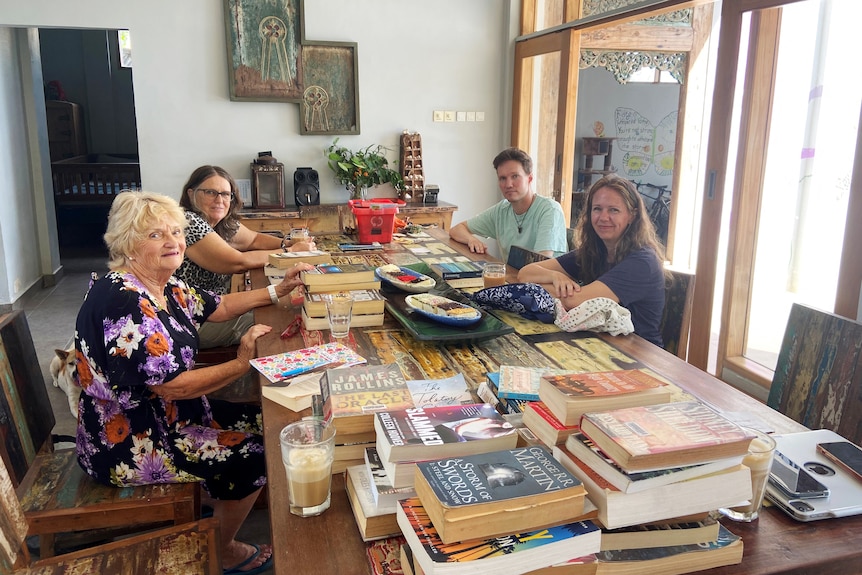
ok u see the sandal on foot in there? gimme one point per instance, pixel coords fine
(237, 569)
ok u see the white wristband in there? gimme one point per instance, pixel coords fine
(272, 295)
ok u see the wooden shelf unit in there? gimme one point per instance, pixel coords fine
(411, 166)
(602, 147)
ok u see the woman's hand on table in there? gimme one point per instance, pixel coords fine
(303, 246)
(564, 286)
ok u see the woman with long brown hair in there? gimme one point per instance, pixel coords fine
(616, 256)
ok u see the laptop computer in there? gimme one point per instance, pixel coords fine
(844, 491)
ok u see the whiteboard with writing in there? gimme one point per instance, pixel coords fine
(644, 145)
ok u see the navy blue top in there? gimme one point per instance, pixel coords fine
(638, 282)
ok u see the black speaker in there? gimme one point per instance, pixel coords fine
(306, 187)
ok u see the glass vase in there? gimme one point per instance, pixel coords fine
(358, 192)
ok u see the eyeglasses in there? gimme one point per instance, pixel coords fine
(217, 194)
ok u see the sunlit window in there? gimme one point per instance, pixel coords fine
(124, 39)
(648, 75)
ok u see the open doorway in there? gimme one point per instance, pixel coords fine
(91, 124)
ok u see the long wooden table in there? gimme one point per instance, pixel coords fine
(330, 543)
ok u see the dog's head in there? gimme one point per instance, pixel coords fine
(65, 363)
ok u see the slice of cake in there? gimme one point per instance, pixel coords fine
(439, 305)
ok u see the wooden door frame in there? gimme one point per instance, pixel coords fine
(746, 195)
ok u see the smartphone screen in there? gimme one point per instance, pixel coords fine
(844, 453)
(794, 481)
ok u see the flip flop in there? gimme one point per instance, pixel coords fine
(237, 569)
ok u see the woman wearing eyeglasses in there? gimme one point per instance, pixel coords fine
(220, 246)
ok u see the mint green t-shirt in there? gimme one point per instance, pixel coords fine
(543, 227)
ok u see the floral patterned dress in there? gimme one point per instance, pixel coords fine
(127, 435)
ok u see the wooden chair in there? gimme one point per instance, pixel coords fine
(191, 548)
(55, 493)
(818, 378)
(676, 319)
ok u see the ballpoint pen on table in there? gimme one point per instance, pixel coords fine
(287, 376)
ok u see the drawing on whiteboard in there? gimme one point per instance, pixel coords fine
(644, 145)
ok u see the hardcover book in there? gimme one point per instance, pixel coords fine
(698, 495)
(726, 549)
(491, 494)
(340, 275)
(353, 395)
(289, 259)
(422, 433)
(289, 364)
(587, 451)
(654, 437)
(539, 419)
(514, 552)
(384, 555)
(382, 488)
(570, 395)
(365, 301)
(375, 521)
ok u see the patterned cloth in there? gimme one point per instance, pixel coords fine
(192, 273)
(599, 314)
(125, 342)
(528, 300)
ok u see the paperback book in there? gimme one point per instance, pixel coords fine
(506, 406)
(587, 451)
(365, 301)
(519, 382)
(298, 395)
(282, 366)
(289, 259)
(539, 419)
(491, 494)
(384, 555)
(382, 488)
(422, 433)
(434, 392)
(458, 270)
(353, 395)
(698, 495)
(356, 320)
(570, 395)
(340, 275)
(518, 552)
(375, 521)
(648, 535)
(726, 549)
(337, 287)
(647, 438)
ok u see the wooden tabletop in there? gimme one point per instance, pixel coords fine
(331, 544)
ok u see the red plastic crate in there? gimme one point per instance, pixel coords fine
(375, 219)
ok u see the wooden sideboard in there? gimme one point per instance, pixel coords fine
(333, 218)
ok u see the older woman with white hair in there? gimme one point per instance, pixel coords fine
(144, 416)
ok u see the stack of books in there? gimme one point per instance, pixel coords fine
(460, 274)
(375, 519)
(545, 425)
(500, 512)
(368, 308)
(350, 398)
(286, 260)
(658, 462)
(407, 436)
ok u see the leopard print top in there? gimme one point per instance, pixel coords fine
(192, 273)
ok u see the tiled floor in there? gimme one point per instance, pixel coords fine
(51, 314)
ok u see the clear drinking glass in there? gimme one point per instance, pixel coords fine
(339, 311)
(759, 461)
(307, 449)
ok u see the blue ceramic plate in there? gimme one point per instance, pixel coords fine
(443, 318)
(420, 284)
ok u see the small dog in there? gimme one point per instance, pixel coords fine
(63, 372)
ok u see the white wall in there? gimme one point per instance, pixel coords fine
(414, 57)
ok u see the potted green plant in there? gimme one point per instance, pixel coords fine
(359, 170)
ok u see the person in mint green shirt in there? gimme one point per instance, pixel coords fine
(522, 218)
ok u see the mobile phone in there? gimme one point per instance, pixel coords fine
(793, 480)
(845, 454)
